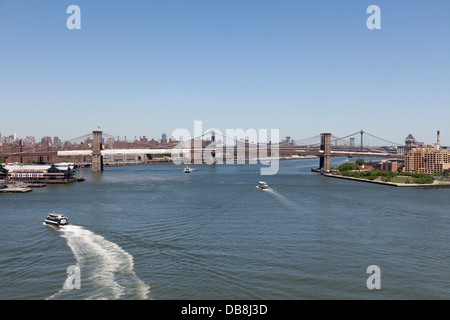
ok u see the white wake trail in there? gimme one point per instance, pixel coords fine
(281, 198)
(107, 271)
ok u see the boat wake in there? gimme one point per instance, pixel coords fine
(281, 198)
(106, 270)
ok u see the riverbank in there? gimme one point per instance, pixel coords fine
(28, 186)
(15, 189)
(435, 185)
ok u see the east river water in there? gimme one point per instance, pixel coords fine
(154, 232)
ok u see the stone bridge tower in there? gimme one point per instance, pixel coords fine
(325, 146)
(97, 146)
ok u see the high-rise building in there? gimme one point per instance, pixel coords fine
(164, 138)
(29, 141)
(46, 141)
(410, 143)
(57, 141)
(428, 160)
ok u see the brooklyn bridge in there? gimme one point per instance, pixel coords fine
(98, 149)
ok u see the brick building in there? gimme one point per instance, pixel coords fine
(428, 161)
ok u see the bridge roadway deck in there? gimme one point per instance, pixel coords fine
(318, 153)
(301, 152)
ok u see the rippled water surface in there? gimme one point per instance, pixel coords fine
(154, 232)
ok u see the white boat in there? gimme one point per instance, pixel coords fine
(263, 185)
(187, 170)
(56, 219)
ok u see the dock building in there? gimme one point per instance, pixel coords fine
(54, 172)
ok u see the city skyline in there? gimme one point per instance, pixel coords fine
(141, 69)
(15, 139)
(56, 140)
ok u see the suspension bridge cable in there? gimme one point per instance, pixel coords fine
(394, 143)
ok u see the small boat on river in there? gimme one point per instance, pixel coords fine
(56, 219)
(263, 185)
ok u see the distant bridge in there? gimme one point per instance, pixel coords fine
(325, 146)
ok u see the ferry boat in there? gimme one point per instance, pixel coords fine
(263, 185)
(56, 219)
(187, 170)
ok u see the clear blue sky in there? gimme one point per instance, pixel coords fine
(147, 67)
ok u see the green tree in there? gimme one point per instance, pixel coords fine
(360, 162)
(423, 179)
(348, 166)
